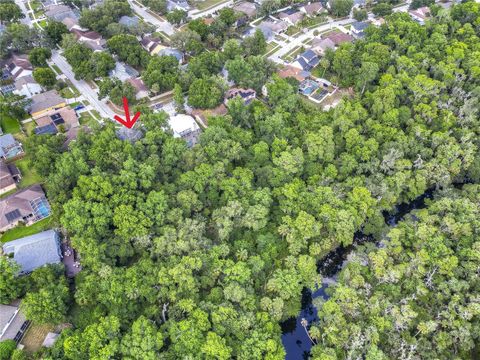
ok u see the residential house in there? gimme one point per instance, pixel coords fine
(59, 12)
(152, 45)
(291, 16)
(9, 176)
(123, 71)
(27, 86)
(12, 321)
(141, 90)
(269, 29)
(9, 147)
(338, 37)
(313, 9)
(247, 8)
(202, 115)
(27, 206)
(57, 120)
(91, 39)
(320, 46)
(420, 15)
(178, 4)
(34, 251)
(8, 87)
(307, 60)
(17, 66)
(45, 102)
(358, 28)
(131, 135)
(293, 72)
(247, 95)
(129, 21)
(185, 127)
(71, 23)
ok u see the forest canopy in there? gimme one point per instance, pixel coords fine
(200, 253)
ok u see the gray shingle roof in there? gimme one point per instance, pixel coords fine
(34, 251)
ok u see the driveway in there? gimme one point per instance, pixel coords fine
(88, 93)
(26, 20)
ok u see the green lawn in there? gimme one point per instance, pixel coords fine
(21, 230)
(57, 69)
(28, 127)
(29, 175)
(86, 118)
(202, 5)
(9, 124)
(43, 23)
(67, 93)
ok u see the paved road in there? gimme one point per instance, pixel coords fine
(288, 47)
(195, 14)
(163, 26)
(26, 20)
(90, 95)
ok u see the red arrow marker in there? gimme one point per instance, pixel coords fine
(128, 122)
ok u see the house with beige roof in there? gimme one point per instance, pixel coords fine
(25, 206)
(45, 102)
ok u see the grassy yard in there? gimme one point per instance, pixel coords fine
(36, 5)
(28, 128)
(29, 175)
(9, 124)
(86, 119)
(67, 93)
(57, 69)
(43, 23)
(292, 31)
(22, 231)
(202, 5)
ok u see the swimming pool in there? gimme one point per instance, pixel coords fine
(41, 208)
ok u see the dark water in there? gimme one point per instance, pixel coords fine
(294, 338)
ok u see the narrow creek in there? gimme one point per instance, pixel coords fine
(294, 338)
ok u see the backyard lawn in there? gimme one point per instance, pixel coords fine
(22, 231)
(29, 176)
(9, 124)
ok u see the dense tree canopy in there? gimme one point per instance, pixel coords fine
(199, 253)
(99, 17)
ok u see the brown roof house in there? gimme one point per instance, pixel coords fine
(291, 18)
(338, 37)
(293, 72)
(247, 95)
(152, 45)
(420, 14)
(247, 8)
(17, 66)
(320, 46)
(141, 90)
(25, 206)
(313, 9)
(55, 121)
(9, 176)
(91, 39)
